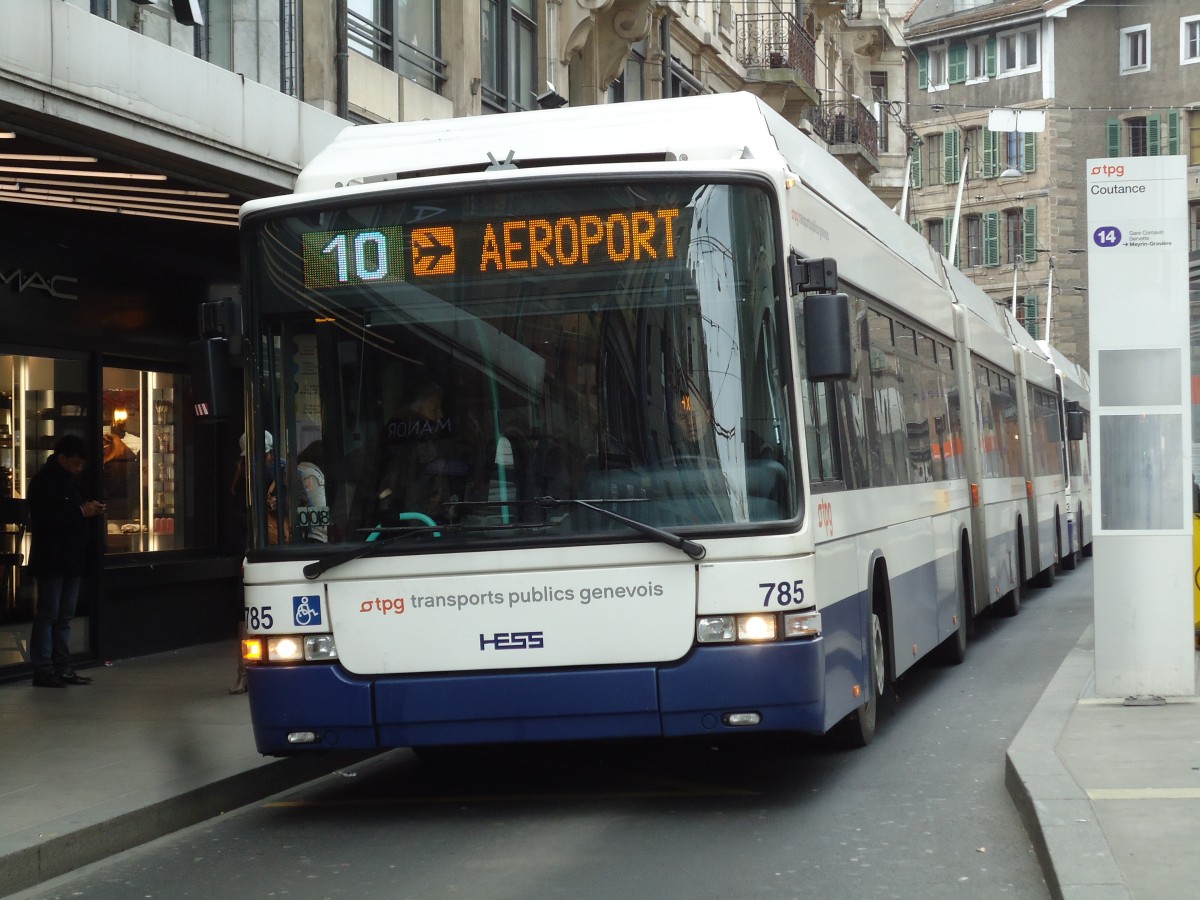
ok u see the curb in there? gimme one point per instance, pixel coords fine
(49, 854)
(1076, 858)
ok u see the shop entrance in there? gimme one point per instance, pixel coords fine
(42, 398)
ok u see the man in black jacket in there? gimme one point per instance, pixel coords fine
(58, 559)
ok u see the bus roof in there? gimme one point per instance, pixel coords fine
(684, 130)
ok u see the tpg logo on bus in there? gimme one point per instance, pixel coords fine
(1117, 171)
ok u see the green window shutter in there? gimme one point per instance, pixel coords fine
(1173, 132)
(917, 175)
(1031, 315)
(991, 239)
(1029, 157)
(951, 156)
(917, 227)
(958, 64)
(923, 69)
(991, 57)
(991, 155)
(1113, 129)
(1153, 135)
(1030, 234)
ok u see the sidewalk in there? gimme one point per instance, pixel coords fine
(155, 744)
(1110, 793)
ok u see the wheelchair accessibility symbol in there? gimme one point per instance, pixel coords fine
(307, 610)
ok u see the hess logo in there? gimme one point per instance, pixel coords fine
(513, 640)
(1118, 171)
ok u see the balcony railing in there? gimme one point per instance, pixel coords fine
(775, 41)
(847, 121)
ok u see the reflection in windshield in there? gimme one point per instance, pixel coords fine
(448, 364)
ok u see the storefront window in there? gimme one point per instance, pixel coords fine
(143, 478)
(41, 399)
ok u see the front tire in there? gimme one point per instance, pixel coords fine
(858, 729)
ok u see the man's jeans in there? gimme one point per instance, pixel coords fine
(49, 647)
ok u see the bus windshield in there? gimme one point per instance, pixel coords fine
(433, 368)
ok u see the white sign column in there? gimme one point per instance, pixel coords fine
(1141, 425)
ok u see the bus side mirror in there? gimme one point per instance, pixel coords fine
(827, 337)
(1074, 421)
(212, 370)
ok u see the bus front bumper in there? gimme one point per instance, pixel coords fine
(770, 687)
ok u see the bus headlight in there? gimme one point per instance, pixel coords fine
(319, 647)
(715, 630)
(757, 627)
(284, 649)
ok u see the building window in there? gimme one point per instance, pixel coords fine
(973, 226)
(1194, 228)
(214, 38)
(973, 147)
(1139, 136)
(682, 81)
(939, 69)
(143, 472)
(1014, 151)
(1189, 40)
(289, 75)
(630, 85)
(1027, 315)
(403, 37)
(1193, 152)
(879, 99)
(1135, 49)
(42, 399)
(1018, 52)
(1014, 234)
(977, 60)
(935, 233)
(508, 55)
(934, 161)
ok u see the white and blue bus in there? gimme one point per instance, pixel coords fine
(645, 419)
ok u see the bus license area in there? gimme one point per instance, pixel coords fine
(588, 239)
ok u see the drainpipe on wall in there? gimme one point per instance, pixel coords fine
(341, 61)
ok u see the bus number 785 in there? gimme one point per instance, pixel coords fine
(785, 593)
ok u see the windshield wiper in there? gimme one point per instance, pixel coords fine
(396, 533)
(691, 548)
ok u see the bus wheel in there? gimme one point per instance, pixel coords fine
(953, 650)
(858, 728)
(1010, 603)
(1045, 578)
(1071, 560)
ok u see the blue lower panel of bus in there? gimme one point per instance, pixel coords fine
(321, 699)
(781, 682)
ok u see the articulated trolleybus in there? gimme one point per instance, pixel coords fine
(631, 420)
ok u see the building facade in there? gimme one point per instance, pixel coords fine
(1009, 100)
(132, 130)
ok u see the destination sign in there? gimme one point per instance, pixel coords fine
(603, 238)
